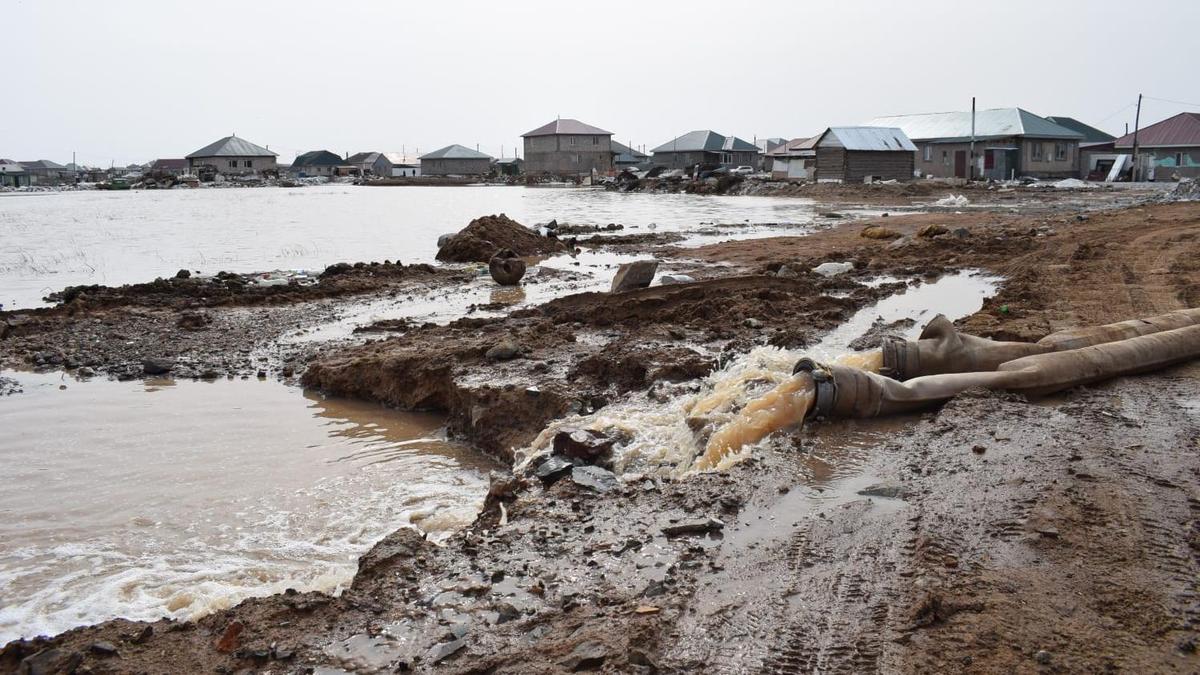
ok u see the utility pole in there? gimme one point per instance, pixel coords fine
(971, 164)
(1137, 118)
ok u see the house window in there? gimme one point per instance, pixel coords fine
(928, 153)
(1060, 151)
(1179, 159)
(573, 139)
(233, 163)
(595, 140)
(1036, 149)
(249, 164)
(946, 157)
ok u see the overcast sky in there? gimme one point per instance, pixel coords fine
(130, 81)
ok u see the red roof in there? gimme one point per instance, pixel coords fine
(1180, 130)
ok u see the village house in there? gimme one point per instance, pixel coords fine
(1095, 146)
(1167, 150)
(46, 172)
(174, 167)
(795, 160)
(1009, 142)
(456, 160)
(705, 148)
(316, 163)
(401, 165)
(567, 147)
(370, 164)
(864, 154)
(509, 166)
(232, 156)
(12, 174)
(625, 157)
(766, 146)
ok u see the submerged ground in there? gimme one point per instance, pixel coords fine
(993, 535)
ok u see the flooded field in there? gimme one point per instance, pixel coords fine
(52, 240)
(144, 500)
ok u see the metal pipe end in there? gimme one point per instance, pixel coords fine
(826, 389)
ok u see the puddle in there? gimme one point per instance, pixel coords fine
(153, 499)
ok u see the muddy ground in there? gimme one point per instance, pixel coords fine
(992, 535)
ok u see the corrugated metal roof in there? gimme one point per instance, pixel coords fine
(363, 158)
(232, 146)
(1182, 130)
(32, 164)
(625, 153)
(872, 138)
(956, 126)
(1090, 134)
(567, 126)
(455, 152)
(706, 140)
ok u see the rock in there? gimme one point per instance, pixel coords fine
(899, 243)
(592, 447)
(880, 232)
(103, 648)
(50, 662)
(86, 372)
(594, 477)
(183, 274)
(335, 269)
(887, 490)
(637, 274)
(694, 527)
(505, 350)
(506, 268)
(961, 232)
(157, 366)
(1042, 656)
(553, 468)
(832, 269)
(586, 656)
(142, 635)
(930, 231)
(445, 650)
(668, 279)
(443, 239)
(231, 638)
(507, 612)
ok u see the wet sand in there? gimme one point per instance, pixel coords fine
(992, 535)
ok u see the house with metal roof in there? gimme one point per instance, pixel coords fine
(12, 174)
(863, 154)
(794, 160)
(402, 165)
(232, 156)
(316, 163)
(174, 167)
(456, 160)
(568, 147)
(509, 166)
(46, 172)
(1009, 142)
(707, 149)
(625, 157)
(1096, 153)
(1167, 149)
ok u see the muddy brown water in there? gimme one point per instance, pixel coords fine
(144, 500)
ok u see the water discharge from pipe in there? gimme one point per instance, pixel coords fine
(783, 406)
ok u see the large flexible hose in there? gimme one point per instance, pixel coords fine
(941, 349)
(850, 392)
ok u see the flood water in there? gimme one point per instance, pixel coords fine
(52, 240)
(151, 499)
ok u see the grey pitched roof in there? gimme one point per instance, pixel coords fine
(871, 138)
(627, 155)
(232, 146)
(317, 158)
(363, 158)
(706, 140)
(455, 152)
(1090, 134)
(42, 164)
(994, 123)
(167, 164)
(567, 126)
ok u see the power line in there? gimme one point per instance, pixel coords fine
(1127, 107)
(1167, 100)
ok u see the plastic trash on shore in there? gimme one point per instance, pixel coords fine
(832, 269)
(283, 278)
(952, 200)
(1073, 184)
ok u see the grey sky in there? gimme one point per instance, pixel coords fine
(134, 80)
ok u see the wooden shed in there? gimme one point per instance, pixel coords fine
(858, 154)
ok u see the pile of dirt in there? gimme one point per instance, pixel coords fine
(483, 237)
